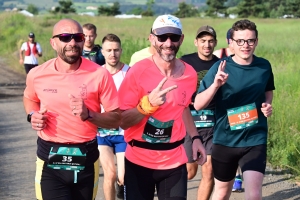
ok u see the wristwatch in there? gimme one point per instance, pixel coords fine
(29, 116)
(197, 137)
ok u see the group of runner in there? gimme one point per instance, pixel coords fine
(149, 115)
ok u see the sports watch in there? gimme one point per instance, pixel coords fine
(29, 116)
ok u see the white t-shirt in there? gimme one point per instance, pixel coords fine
(31, 59)
(118, 78)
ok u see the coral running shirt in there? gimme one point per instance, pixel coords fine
(50, 88)
(140, 81)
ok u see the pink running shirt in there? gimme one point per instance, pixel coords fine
(141, 80)
(44, 84)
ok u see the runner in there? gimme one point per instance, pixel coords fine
(201, 61)
(32, 51)
(111, 141)
(224, 52)
(92, 51)
(243, 85)
(154, 99)
(143, 53)
(62, 98)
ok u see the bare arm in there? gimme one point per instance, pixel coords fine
(204, 98)
(217, 53)
(266, 107)
(38, 118)
(192, 131)
(130, 118)
(111, 119)
(21, 57)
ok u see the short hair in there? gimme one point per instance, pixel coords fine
(89, 27)
(243, 25)
(112, 38)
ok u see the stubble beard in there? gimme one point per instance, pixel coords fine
(70, 59)
(169, 57)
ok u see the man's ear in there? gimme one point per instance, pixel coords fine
(52, 43)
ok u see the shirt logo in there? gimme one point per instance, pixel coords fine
(50, 90)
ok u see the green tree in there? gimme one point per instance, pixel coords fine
(33, 9)
(149, 10)
(215, 6)
(252, 8)
(135, 11)
(64, 7)
(109, 10)
(293, 7)
(232, 3)
(186, 10)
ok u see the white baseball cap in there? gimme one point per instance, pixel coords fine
(167, 24)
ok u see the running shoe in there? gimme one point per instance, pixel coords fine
(237, 185)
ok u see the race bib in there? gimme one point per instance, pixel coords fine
(203, 118)
(156, 131)
(67, 158)
(106, 132)
(242, 117)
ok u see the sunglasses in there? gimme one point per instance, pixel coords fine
(67, 37)
(163, 38)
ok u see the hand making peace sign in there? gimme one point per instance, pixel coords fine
(221, 77)
(158, 95)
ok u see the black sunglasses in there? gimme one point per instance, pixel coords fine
(163, 38)
(67, 37)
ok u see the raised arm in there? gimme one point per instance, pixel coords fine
(204, 98)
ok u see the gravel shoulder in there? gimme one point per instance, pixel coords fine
(18, 147)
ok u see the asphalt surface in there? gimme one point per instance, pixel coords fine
(18, 152)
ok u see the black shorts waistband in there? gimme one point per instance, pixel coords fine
(156, 146)
(44, 147)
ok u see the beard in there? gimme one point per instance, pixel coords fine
(73, 58)
(167, 57)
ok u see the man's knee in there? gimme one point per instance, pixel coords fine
(191, 170)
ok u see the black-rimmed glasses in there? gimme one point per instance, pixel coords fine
(67, 37)
(241, 42)
(163, 38)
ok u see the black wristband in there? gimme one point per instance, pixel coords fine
(197, 137)
(89, 116)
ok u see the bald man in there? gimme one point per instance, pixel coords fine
(62, 99)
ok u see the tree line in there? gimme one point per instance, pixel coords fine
(213, 8)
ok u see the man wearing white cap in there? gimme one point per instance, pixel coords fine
(32, 51)
(155, 98)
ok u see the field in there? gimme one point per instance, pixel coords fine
(278, 42)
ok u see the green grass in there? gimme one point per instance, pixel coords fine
(278, 42)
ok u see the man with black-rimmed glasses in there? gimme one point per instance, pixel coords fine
(242, 85)
(62, 99)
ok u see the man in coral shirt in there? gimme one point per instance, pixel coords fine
(62, 98)
(155, 98)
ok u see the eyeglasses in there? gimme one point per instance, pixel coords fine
(163, 38)
(67, 37)
(241, 42)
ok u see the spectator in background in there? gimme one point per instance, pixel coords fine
(32, 51)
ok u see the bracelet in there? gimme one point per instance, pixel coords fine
(145, 106)
(89, 116)
(197, 137)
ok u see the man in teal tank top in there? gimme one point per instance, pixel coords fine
(242, 85)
